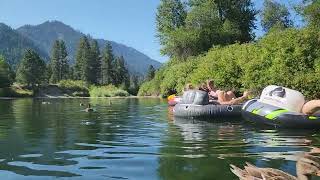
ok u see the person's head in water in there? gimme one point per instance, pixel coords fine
(188, 87)
(210, 85)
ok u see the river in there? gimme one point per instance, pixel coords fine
(134, 138)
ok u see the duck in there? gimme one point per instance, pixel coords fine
(306, 166)
(81, 104)
(252, 172)
(89, 109)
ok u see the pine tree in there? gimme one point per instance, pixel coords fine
(64, 64)
(31, 69)
(6, 75)
(55, 62)
(134, 85)
(59, 63)
(95, 63)
(150, 73)
(83, 58)
(106, 65)
(121, 73)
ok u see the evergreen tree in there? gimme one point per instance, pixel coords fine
(275, 15)
(64, 64)
(150, 73)
(55, 62)
(31, 69)
(59, 63)
(6, 75)
(121, 73)
(71, 74)
(106, 65)
(95, 63)
(83, 58)
(48, 73)
(134, 85)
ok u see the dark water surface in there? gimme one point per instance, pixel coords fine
(133, 139)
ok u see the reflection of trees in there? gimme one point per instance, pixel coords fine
(7, 119)
(31, 118)
(29, 126)
(10, 141)
(192, 150)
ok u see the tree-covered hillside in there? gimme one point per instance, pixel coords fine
(13, 45)
(45, 34)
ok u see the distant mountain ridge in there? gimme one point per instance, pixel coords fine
(13, 45)
(41, 37)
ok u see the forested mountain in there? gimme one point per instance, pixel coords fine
(13, 45)
(45, 34)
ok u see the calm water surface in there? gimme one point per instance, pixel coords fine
(133, 139)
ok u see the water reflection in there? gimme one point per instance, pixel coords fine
(133, 139)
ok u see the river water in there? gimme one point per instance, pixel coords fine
(134, 139)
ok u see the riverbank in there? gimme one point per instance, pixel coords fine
(63, 90)
(14, 91)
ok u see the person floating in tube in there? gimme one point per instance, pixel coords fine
(222, 97)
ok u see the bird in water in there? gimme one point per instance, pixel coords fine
(89, 109)
(307, 166)
(81, 104)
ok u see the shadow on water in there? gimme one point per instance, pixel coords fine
(134, 139)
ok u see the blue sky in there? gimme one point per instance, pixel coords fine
(130, 22)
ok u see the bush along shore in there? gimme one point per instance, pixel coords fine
(64, 89)
(285, 56)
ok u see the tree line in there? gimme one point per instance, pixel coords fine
(285, 55)
(188, 28)
(91, 66)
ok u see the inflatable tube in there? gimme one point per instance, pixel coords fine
(195, 104)
(262, 113)
(206, 111)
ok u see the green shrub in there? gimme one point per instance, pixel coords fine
(290, 58)
(107, 91)
(73, 85)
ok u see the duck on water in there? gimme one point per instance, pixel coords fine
(89, 109)
(306, 167)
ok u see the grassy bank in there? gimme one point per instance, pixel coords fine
(289, 58)
(65, 88)
(15, 92)
(81, 88)
(107, 91)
